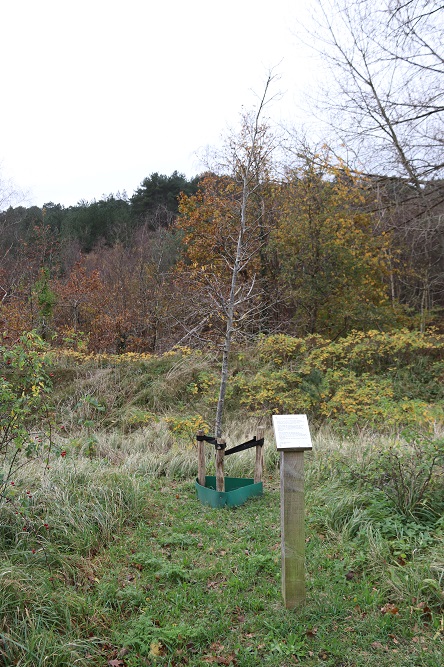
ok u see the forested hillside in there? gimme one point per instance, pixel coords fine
(332, 253)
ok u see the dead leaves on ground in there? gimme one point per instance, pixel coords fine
(218, 648)
(390, 609)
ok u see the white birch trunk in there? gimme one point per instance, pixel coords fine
(249, 169)
(230, 314)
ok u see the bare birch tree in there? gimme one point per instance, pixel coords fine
(223, 228)
(384, 89)
(249, 157)
(384, 96)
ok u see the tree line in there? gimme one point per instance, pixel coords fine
(317, 258)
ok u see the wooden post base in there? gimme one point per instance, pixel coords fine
(292, 528)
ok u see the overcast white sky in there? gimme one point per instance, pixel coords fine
(98, 94)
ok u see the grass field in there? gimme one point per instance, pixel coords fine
(121, 565)
(107, 558)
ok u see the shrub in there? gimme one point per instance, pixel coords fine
(409, 474)
(26, 415)
(382, 380)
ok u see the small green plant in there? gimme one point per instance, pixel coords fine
(292, 646)
(89, 406)
(75, 340)
(409, 473)
(26, 414)
(46, 300)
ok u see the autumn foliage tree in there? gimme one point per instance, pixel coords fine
(332, 265)
(78, 297)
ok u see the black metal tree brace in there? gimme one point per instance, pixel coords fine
(245, 445)
(239, 448)
(206, 438)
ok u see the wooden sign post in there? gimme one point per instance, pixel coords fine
(292, 439)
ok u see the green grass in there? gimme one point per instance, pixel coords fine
(108, 558)
(132, 568)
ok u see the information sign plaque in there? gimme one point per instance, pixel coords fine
(292, 433)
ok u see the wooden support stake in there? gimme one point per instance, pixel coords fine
(259, 463)
(292, 528)
(201, 460)
(220, 456)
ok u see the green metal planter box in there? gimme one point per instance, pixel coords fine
(237, 491)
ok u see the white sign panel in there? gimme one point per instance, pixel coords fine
(292, 432)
